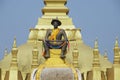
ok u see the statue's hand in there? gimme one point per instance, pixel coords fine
(47, 40)
(55, 42)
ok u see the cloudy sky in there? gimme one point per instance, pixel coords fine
(96, 18)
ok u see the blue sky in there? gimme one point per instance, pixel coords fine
(96, 18)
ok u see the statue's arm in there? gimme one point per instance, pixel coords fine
(47, 35)
(64, 35)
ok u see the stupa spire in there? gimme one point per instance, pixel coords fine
(14, 64)
(14, 73)
(14, 43)
(116, 42)
(96, 71)
(96, 62)
(116, 52)
(96, 44)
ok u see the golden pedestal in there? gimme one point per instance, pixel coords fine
(55, 62)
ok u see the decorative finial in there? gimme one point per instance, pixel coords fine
(96, 44)
(106, 55)
(14, 43)
(116, 42)
(96, 62)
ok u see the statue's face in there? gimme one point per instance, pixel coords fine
(55, 24)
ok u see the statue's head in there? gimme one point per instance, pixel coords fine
(56, 23)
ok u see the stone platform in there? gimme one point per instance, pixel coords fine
(57, 74)
(56, 68)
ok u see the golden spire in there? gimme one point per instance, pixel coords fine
(96, 62)
(116, 52)
(14, 64)
(106, 55)
(14, 43)
(14, 73)
(96, 44)
(116, 42)
(96, 71)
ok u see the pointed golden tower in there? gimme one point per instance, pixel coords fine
(116, 52)
(96, 73)
(114, 72)
(13, 73)
(35, 53)
(14, 64)
(96, 62)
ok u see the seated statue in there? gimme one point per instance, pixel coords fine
(55, 39)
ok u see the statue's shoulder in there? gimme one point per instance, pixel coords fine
(62, 30)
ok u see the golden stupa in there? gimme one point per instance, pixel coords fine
(19, 64)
